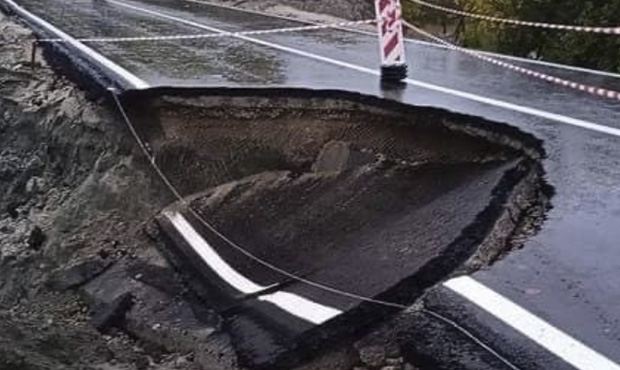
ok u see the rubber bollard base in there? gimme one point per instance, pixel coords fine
(395, 73)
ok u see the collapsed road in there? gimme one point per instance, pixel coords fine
(312, 185)
(280, 171)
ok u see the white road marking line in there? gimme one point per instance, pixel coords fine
(125, 75)
(415, 41)
(210, 256)
(302, 307)
(552, 339)
(294, 304)
(461, 94)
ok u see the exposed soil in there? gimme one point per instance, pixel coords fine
(67, 171)
(83, 284)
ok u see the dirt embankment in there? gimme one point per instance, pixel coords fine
(74, 199)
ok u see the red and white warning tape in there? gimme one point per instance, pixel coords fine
(593, 90)
(555, 26)
(217, 35)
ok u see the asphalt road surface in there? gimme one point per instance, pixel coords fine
(566, 275)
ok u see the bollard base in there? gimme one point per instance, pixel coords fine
(393, 74)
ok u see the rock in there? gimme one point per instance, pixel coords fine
(337, 156)
(36, 238)
(7, 229)
(408, 366)
(142, 362)
(333, 157)
(11, 209)
(394, 361)
(10, 166)
(392, 367)
(373, 356)
(77, 274)
(35, 184)
(181, 362)
(156, 276)
(90, 117)
(103, 253)
(106, 316)
(152, 230)
(393, 351)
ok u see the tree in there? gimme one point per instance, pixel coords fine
(582, 49)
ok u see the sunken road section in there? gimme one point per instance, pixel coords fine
(367, 196)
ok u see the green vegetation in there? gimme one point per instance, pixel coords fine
(581, 49)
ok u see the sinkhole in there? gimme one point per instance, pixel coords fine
(364, 195)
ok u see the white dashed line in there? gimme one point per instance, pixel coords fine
(301, 307)
(210, 256)
(294, 304)
(552, 339)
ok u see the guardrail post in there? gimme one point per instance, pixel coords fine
(391, 40)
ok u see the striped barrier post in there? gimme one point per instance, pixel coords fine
(391, 41)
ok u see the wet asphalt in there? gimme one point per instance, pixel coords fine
(567, 274)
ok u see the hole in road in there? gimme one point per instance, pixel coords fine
(374, 198)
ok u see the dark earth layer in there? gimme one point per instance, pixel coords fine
(82, 284)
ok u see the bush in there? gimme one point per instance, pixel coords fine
(582, 49)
